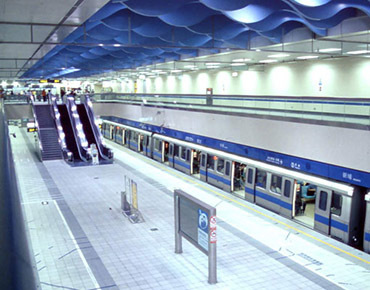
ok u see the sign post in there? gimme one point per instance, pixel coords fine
(196, 222)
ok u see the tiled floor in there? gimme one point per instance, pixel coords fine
(81, 240)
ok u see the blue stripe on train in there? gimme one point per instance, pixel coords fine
(183, 164)
(214, 176)
(157, 154)
(367, 237)
(287, 161)
(274, 200)
(335, 224)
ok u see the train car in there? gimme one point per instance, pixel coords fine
(330, 207)
(367, 225)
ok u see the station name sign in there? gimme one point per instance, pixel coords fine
(50, 81)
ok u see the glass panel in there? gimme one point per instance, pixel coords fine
(227, 169)
(211, 162)
(323, 200)
(276, 182)
(203, 160)
(183, 152)
(287, 185)
(176, 150)
(261, 178)
(220, 165)
(250, 176)
(336, 204)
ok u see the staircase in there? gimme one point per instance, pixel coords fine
(50, 145)
(47, 133)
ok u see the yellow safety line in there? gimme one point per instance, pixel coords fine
(246, 206)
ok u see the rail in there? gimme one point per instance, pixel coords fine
(16, 267)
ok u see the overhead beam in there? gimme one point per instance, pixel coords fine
(38, 24)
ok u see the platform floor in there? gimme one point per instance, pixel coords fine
(81, 240)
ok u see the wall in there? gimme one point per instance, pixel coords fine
(344, 147)
(349, 77)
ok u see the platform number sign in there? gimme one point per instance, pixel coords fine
(203, 229)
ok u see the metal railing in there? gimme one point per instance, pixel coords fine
(343, 110)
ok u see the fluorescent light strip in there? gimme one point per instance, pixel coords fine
(358, 52)
(238, 64)
(268, 60)
(212, 63)
(278, 55)
(308, 57)
(329, 49)
(241, 60)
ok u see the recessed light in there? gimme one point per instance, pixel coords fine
(278, 55)
(116, 45)
(329, 49)
(358, 52)
(307, 57)
(268, 60)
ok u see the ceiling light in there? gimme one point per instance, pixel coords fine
(358, 52)
(268, 60)
(116, 45)
(234, 74)
(238, 64)
(212, 63)
(278, 55)
(213, 66)
(191, 66)
(176, 70)
(329, 49)
(156, 70)
(307, 57)
(101, 44)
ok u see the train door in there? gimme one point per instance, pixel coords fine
(165, 151)
(140, 145)
(265, 195)
(322, 210)
(195, 163)
(220, 176)
(238, 171)
(203, 166)
(157, 149)
(287, 198)
(250, 184)
(188, 161)
(171, 158)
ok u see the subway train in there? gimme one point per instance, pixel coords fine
(339, 210)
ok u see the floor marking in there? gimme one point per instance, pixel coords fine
(194, 181)
(88, 269)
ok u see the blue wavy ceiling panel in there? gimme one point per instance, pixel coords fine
(130, 33)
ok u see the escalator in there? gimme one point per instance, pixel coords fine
(70, 139)
(92, 132)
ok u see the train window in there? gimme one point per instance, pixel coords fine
(203, 160)
(227, 169)
(336, 204)
(287, 185)
(250, 176)
(323, 200)
(220, 165)
(183, 152)
(276, 182)
(157, 145)
(261, 178)
(211, 162)
(188, 155)
(176, 150)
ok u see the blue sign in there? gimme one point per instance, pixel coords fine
(203, 229)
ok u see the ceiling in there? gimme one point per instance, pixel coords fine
(83, 38)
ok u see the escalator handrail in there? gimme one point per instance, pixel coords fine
(56, 116)
(78, 133)
(104, 151)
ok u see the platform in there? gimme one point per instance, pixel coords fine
(81, 240)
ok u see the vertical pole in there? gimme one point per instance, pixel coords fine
(212, 256)
(178, 241)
